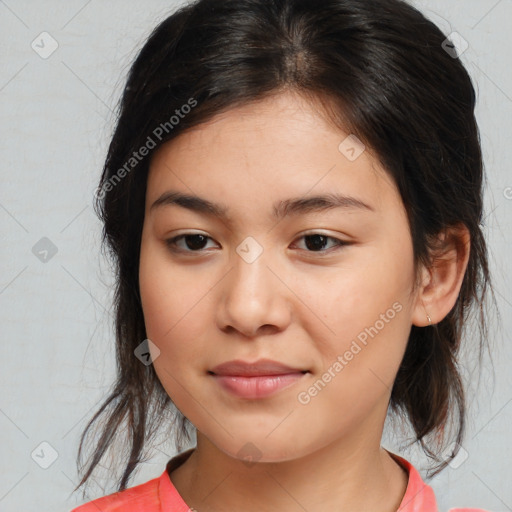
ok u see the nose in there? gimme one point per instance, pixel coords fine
(254, 299)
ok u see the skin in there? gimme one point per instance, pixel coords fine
(291, 305)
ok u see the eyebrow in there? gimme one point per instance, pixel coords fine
(283, 208)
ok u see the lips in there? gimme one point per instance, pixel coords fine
(258, 368)
(256, 380)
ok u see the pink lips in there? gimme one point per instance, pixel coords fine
(255, 380)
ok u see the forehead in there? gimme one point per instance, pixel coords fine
(266, 151)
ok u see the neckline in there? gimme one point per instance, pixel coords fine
(418, 495)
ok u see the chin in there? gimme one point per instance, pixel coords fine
(256, 447)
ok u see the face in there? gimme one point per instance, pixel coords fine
(280, 322)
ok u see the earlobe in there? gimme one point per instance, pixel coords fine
(421, 315)
(442, 281)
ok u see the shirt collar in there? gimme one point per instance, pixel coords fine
(418, 497)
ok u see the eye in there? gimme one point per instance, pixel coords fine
(315, 242)
(195, 242)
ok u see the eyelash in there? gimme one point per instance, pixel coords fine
(171, 243)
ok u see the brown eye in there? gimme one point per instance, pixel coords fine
(316, 242)
(193, 242)
(196, 243)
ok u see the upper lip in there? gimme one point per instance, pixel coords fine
(260, 367)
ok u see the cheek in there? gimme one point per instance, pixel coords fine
(359, 292)
(368, 311)
(170, 304)
(167, 296)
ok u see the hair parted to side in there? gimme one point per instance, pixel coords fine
(379, 69)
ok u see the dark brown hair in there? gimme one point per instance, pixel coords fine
(380, 69)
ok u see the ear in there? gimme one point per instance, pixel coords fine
(442, 281)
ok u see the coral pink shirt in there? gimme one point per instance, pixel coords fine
(160, 495)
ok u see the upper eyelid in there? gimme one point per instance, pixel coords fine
(339, 241)
(307, 233)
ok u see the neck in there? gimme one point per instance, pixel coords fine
(349, 475)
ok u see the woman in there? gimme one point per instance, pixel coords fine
(293, 198)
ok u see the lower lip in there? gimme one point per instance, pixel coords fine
(259, 386)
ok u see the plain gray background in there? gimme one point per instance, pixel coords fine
(57, 339)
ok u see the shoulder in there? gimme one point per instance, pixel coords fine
(420, 496)
(140, 498)
(153, 496)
